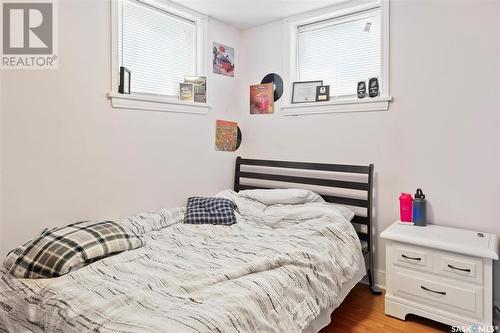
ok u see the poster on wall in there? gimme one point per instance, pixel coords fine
(227, 135)
(223, 59)
(262, 98)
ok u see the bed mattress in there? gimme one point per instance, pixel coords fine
(325, 316)
(276, 270)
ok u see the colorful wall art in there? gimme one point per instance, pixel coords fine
(227, 135)
(223, 59)
(262, 98)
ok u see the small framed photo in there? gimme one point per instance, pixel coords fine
(373, 88)
(124, 87)
(361, 89)
(322, 93)
(186, 92)
(305, 91)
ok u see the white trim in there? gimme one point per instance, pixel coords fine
(337, 106)
(384, 48)
(290, 57)
(160, 103)
(379, 279)
(115, 44)
(156, 103)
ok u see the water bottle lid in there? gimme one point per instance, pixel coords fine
(419, 194)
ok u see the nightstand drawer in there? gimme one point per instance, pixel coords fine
(440, 294)
(413, 257)
(460, 267)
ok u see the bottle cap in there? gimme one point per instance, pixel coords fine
(419, 194)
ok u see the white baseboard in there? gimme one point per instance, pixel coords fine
(379, 279)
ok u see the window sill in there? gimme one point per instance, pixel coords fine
(156, 103)
(337, 106)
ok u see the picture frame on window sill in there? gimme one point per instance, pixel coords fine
(124, 87)
(323, 93)
(305, 91)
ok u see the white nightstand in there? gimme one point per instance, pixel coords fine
(440, 273)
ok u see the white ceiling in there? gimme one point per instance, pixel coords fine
(244, 14)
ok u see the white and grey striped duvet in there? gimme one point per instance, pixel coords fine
(273, 271)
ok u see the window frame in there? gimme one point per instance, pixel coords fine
(290, 60)
(153, 102)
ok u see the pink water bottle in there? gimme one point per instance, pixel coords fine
(405, 207)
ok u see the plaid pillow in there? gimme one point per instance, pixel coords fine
(210, 211)
(57, 251)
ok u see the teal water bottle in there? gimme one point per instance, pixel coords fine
(419, 209)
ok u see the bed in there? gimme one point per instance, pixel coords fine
(280, 268)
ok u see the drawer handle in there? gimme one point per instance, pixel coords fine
(433, 291)
(412, 258)
(459, 269)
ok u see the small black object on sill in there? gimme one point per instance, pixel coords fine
(124, 87)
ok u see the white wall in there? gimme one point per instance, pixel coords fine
(441, 133)
(67, 155)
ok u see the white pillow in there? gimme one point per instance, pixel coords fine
(281, 196)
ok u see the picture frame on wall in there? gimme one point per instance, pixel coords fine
(305, 91)
(223, 59)
(124, 87)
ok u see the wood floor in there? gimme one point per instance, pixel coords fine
(361, 312)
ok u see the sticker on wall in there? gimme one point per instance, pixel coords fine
(223, 59)
(277, 82)
(261, 98)
(227, 136)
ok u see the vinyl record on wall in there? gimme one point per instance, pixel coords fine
(277, 82)
(238, 139)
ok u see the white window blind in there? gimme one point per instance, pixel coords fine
(341, 51)
(157, 47)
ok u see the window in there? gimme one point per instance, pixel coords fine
(341, 45)
(160, 43)
(157, 47)
(341, 51)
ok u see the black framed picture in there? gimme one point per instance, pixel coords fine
(373, 88)
(305, 91)
(124, 87)
(361, 89)
(322, 93)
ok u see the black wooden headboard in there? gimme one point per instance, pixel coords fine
(266, 170)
